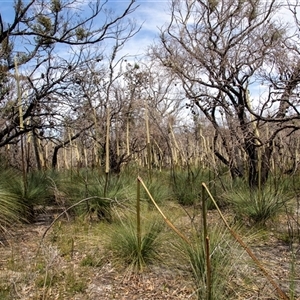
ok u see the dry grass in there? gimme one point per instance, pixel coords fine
(72, 263)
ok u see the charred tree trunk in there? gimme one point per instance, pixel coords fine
(265, 163)
(36, 150)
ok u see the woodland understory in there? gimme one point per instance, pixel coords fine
(173, 174)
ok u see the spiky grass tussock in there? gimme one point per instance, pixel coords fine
(125, 248)
(159, 191)
(35, 191)
(11, 209)
(257, 206)
(186, 186)
(222, 251)
(87, 184)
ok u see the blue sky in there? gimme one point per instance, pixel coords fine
(151, 13)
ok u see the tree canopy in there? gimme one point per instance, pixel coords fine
(220, 50)
(44, 49)
(234, 64)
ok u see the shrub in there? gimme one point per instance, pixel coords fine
(11, 209)
(81, 186)
(158, 189)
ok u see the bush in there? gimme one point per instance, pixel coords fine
(34, 192)
(81, 186)
(158, 189)
(11, 209)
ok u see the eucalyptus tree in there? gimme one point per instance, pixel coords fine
(44, 45)
(153, 108)
(99, 82)
(222, 51)
(165, 109)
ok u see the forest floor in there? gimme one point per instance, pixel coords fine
(70, 264)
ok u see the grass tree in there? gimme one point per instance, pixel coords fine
(11, 210)
(221, 257)
(136, 251)
(259, 206)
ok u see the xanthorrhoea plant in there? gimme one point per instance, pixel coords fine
(136, 252)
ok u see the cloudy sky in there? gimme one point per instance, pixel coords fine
(151, 14)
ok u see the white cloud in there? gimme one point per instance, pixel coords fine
(151, 15)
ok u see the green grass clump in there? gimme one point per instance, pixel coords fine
(257, 206)
(34, 191)
(91, 261)
(74, 283)
(48, 281)
(5, 291)
(221, 255)
(186, 186)
(87, 185)
(125, 247)
(158, 189)
(11, 209)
